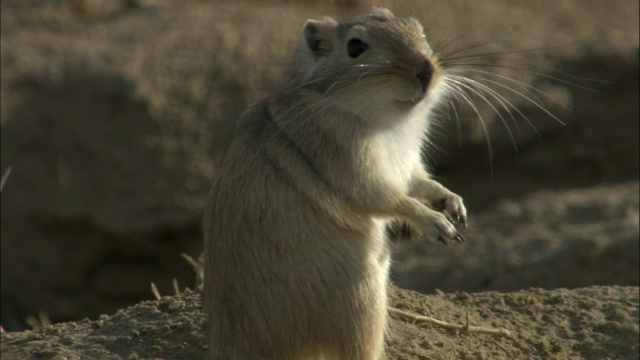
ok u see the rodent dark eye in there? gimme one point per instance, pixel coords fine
(356, 47)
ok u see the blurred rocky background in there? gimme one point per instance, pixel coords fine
(115, 113)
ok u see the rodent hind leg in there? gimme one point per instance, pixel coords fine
(439, 198)
(427, 221)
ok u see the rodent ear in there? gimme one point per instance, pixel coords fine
(383, 13)
(318, 34)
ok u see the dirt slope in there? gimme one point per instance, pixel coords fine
(587, 323)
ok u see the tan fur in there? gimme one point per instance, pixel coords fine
(297, 260)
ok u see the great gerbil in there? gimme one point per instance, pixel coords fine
(296, 257)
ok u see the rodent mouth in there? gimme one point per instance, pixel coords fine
(411, 98)
(407, 104)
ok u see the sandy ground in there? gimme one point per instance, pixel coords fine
(587, 323)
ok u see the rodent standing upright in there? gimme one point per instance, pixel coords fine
(296, 256)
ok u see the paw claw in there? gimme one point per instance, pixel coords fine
(458, 219)
(459, 238)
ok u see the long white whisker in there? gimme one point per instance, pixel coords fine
(528, 88)
(452, 106)
(461, 94)
(468, 84)
(528, 70)
(506, 104)
(530, 100)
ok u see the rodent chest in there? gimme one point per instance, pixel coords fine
(396, 152)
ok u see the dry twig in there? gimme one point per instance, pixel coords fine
(465, 327)
(198, 268)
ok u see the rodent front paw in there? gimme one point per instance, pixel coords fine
(452, 207)
(441, 228)
(434, 224)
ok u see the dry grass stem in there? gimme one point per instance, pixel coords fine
(176, 287)
(198, 268)
(155, 292)
(37, 322)
(460, 327)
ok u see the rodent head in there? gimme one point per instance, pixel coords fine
(371, 62)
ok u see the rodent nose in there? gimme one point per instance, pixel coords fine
(425, 73)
